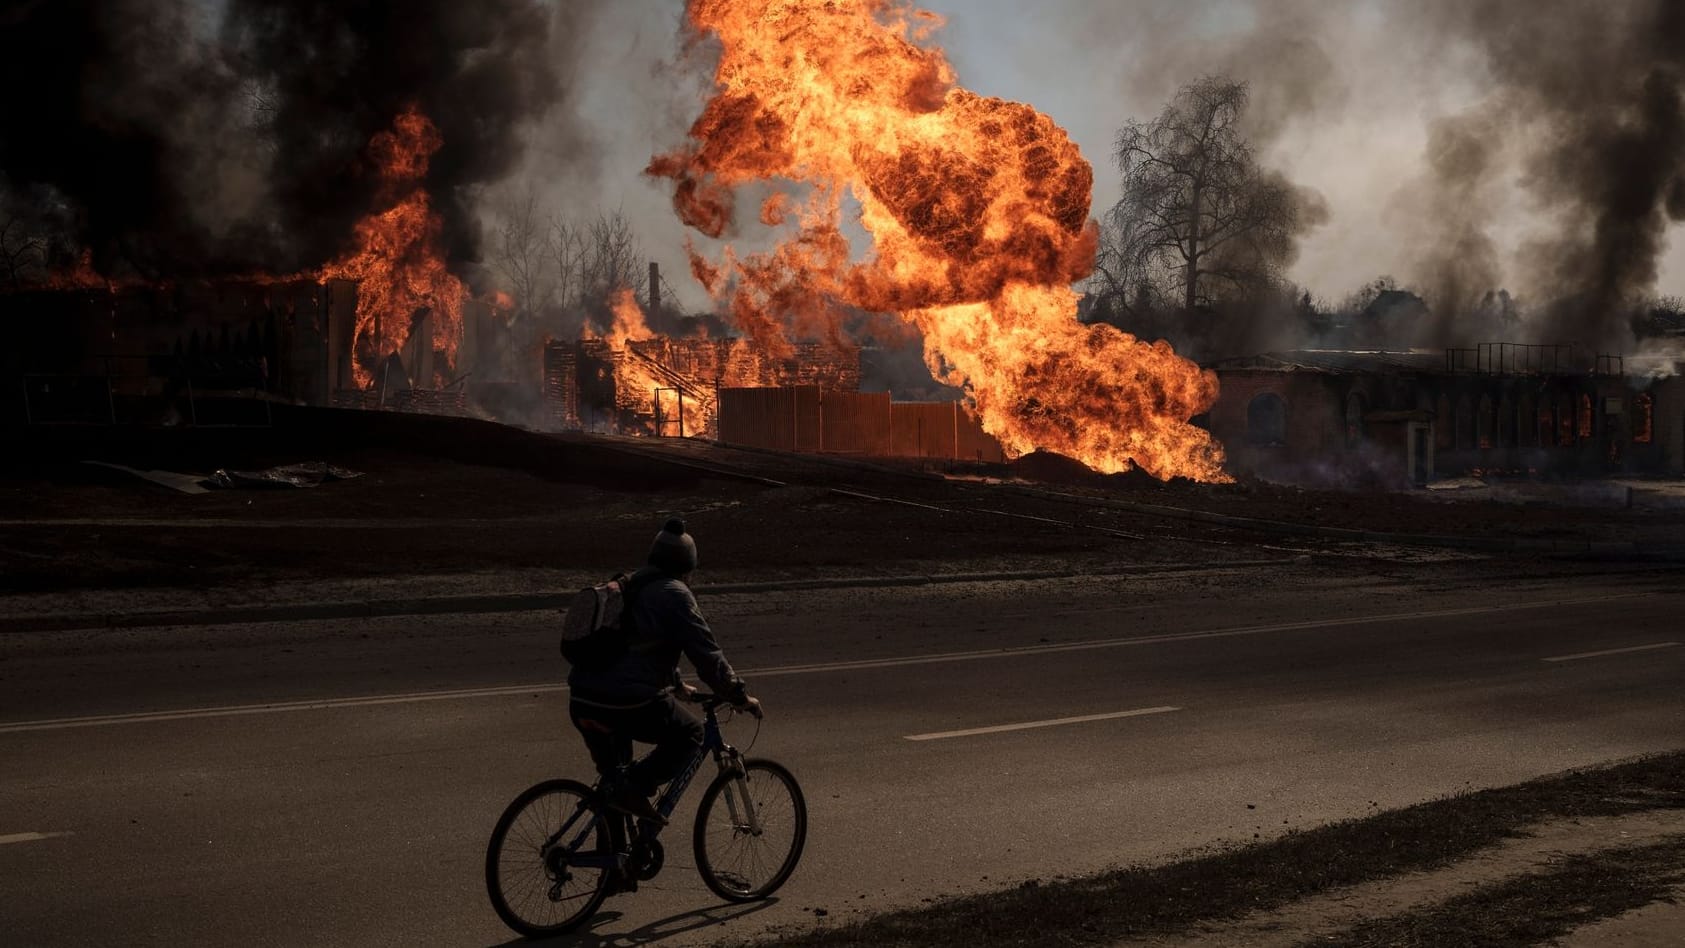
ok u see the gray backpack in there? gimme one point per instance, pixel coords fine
(598, 623)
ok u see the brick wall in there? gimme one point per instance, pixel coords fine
(1314, 420)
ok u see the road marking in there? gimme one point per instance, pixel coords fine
(323, 704)
(1611, 651)
(1027, 725)
(30, 837)
(1131, 641)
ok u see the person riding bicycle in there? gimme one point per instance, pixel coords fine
(633, 697)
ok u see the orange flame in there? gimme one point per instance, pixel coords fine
(978, 212)
(85, 276)
(82, 277)
(645, 380)
(398, 264)
(629, 322)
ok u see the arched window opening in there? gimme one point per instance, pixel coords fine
(1465, 423)
(1355, 409)
(1565, 421)
(1483, 423)
(1444, 427)
(1585, 416)
(1526, 424)
(1644, 419)
(1266, 420)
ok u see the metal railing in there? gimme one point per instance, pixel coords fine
(1520, 358)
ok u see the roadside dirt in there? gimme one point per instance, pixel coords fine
(1506, 867)
(462, 497)
(1327, 916)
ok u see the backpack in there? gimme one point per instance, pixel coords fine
(598, 623)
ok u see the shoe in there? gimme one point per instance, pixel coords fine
(627, 799)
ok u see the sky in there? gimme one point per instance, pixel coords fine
(1344, 98)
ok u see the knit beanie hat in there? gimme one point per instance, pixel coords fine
(674, 551)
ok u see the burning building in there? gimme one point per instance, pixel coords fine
(379, 326)
(667, 386)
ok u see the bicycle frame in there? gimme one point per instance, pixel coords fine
(725, 756)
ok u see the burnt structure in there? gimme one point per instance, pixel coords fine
(668, 386)
(1401, 418)
(182, 353)
(189, 352)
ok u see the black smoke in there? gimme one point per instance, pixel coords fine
(1594, 97)
(180, 137)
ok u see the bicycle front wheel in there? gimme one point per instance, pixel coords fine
(548, 866)
(750, 829)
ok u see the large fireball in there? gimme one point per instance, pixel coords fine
(978, 213)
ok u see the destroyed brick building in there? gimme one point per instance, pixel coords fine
(1404, 418)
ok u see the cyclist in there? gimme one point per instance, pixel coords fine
(633, 697)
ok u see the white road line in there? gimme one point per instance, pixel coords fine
(322, 704)
(1611, 651)
(30, 837)
(1027, 725)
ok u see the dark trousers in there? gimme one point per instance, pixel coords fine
(609, 733)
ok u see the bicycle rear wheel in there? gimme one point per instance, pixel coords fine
(548, 863)
(750, 829)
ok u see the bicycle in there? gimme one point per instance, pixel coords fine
(564, 851)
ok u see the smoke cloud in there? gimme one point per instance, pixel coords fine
(1592, 99)
(1463, 146)
(172, 137)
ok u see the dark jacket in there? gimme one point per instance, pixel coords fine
(667, 624)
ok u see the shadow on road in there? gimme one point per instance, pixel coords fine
(595, 937)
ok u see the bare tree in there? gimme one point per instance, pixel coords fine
(612, 259)
(522, 256)
(558, 268)
(258, 119)
(565, 245)
(23, 254)
(1198, 219)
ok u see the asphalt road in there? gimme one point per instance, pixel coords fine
(333, 783)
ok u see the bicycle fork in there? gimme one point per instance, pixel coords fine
(738, 802)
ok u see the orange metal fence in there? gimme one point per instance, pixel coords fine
(802, 418)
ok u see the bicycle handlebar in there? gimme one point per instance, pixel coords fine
(709, 700)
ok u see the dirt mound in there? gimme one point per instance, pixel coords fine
(1049, 468)
(1046, 467)
(354, 439)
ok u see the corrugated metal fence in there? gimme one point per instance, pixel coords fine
(802, 418)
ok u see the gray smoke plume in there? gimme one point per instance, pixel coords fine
(1554, 136)
(1596, 93)
(1445, 215)
(1284, 57)
(175, 137)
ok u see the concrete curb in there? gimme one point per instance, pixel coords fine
(537, 602)
(1483, 544)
